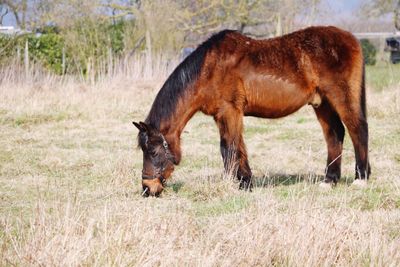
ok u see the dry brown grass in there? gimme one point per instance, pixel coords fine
(70, 186)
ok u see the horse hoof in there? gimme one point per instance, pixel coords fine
(326, 185)
(246, 186)
(360, 183)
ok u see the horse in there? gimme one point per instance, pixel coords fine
(231, 75)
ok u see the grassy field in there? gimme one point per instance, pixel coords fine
(70, 185)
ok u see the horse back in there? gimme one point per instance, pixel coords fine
(275, 77)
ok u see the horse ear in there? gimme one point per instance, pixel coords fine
(145, 126)
(139, 126)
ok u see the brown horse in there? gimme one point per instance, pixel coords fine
(230, 76)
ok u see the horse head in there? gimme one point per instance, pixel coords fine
(158, 161)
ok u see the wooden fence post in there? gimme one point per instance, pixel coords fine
(26, 58)
(148, 69)
(63, 61)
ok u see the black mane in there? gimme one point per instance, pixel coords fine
(185, 74)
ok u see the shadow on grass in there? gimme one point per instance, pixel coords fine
(277, 179)
(346, 180)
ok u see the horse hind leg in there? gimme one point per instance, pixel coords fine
(233, 149)
(333, 130)
(349, 106)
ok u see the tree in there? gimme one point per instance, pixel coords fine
(259, 18)
(3, 12)
(93, 32)
(369, 52)
(377, 8)
(19, 9)
(397, 16)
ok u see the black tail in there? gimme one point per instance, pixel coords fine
(364, 111)
(363, 93)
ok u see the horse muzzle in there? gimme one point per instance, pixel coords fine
(152, 187)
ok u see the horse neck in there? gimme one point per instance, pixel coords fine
(172, 127)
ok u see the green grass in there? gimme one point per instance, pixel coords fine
(221, 207)
(383, 75)
(30, 119)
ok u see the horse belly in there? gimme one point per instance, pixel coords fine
(271, 97)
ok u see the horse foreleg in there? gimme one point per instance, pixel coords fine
(334, 134)
(233, 149)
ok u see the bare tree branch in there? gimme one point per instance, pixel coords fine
(3, 15)
(397, 16)
(19, 10)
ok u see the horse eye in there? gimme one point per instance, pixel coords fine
(165, 144)
(152, 153)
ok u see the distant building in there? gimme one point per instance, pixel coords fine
(10, 30)
(393, 45)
